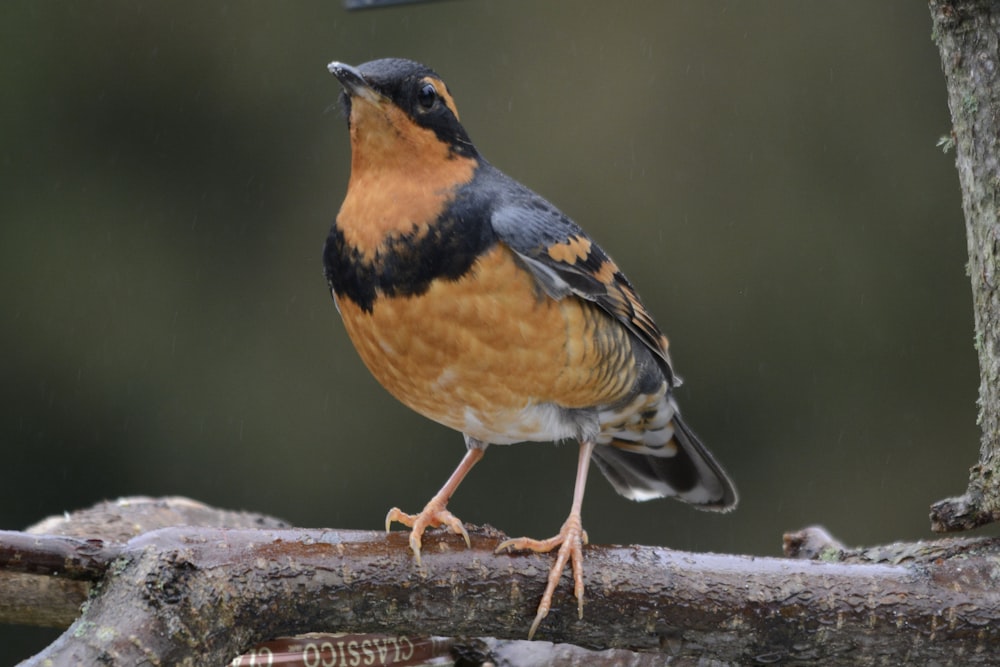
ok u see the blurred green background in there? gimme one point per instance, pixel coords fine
(766, 173)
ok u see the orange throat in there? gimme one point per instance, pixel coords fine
(402, 177)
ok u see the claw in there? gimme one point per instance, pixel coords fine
(431, 516)
(570, 541)
(434, 512)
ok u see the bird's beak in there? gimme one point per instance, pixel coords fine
(354, 83)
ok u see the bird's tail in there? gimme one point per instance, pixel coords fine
(682, 468)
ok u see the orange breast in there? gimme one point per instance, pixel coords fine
(480, 353)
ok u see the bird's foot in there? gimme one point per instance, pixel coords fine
(570, 541)
(434, 514)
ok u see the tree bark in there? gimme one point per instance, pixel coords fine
(967, 33)
(194, 595)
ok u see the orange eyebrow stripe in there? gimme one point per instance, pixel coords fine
(442, 90)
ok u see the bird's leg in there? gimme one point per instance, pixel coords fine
(570, 541)
(434, 512)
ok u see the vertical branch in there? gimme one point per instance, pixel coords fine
(967, 33)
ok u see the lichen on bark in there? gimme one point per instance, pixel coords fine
(967, 35)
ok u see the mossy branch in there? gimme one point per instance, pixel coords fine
(967, 33)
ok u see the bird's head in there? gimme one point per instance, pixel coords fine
(396, 105)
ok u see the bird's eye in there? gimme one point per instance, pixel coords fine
(427, 96)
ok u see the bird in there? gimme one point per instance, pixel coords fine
(480, 305)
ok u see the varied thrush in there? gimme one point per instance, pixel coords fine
(478, 304)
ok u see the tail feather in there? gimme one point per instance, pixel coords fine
(683, 469)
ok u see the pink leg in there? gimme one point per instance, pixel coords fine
(570, 540)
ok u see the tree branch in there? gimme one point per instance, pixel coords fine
(73, 558)
(967, 33)
(176, 593)
(46, 572)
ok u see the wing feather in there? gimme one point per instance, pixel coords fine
(565, 261)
